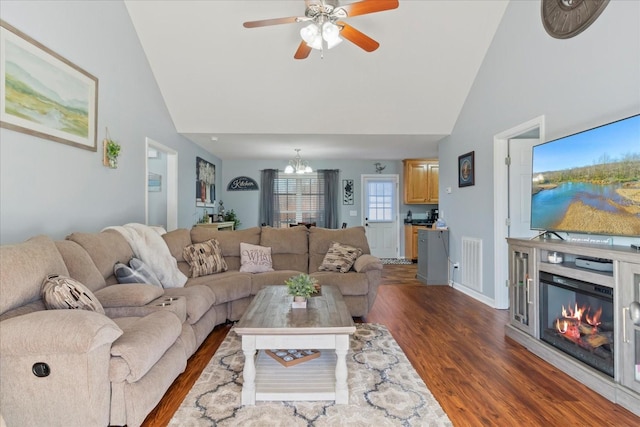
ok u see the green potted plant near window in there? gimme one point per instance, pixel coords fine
(301, 287)
(231, 216)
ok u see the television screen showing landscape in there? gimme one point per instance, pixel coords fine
(589, 182)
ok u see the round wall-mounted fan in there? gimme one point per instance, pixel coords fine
(325, 27)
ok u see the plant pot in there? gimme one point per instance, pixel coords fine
(113, 163)
(299, 302)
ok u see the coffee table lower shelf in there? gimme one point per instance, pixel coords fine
(311, 380)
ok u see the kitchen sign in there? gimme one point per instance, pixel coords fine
(242, 183)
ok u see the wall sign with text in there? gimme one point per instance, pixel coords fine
(242, 183)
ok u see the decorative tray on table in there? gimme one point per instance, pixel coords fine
(293, 357)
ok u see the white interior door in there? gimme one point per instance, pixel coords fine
(534, 128)
(380, 214)
(162, 206)
(520, 152)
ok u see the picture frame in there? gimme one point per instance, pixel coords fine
(466, 169)
(46, 95)
(347, 192)
(154, 182)
(205, 183)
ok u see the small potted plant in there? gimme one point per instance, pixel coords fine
(112, 151)
(301, 287)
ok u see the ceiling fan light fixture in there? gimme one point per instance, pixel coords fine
(331, 34)
(311, 35)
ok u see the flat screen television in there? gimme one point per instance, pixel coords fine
(589, 182)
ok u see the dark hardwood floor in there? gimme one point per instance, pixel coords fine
(458, 347)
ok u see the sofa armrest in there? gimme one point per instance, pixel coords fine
(56, 331)
(128, 295)
(366, 263)
(57, 360)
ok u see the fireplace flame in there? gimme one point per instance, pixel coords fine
(578, 321)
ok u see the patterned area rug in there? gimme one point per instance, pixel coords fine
(396, 261)
(384, 390)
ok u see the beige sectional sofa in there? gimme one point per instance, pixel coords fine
(82, 368)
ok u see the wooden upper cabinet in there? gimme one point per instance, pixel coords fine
(420, 181)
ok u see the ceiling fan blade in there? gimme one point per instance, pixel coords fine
(275, 21)
(303, 50)
(369, 6)
(357, 37)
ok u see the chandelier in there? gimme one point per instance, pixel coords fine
(297, 165)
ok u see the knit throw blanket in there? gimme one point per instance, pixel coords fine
(148, 245)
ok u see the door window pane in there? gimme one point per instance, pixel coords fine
(380, 200)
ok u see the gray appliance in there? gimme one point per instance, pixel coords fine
(433, 254)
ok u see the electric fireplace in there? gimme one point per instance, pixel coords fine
(576, 317)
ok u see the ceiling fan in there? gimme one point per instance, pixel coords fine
(325, 26)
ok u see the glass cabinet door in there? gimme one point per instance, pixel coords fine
(521, 267)
(630, 349)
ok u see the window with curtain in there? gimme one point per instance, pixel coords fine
(300, 199)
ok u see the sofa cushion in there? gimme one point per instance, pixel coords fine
(61, 292)
(255, 258)
(136, 272)
(143, 343)
(199, 300)
(22, 268)
(229, 241)
(205, 258)
(128, 295)
(289, 247)
(320, 240)
(105, 249)
(80, 265)
(176, 241)
(339, 258)
(227, 286)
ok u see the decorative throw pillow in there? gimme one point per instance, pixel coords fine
(255, 259)
(204, 258)
(136, 272)
(64, 292)
(339, 257)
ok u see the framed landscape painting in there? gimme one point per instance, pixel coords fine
(44, 94)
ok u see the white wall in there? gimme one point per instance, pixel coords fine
(54, 189)
(576, 84)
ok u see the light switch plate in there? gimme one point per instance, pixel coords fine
(353, 213)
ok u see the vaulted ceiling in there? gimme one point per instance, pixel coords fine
(240, 94)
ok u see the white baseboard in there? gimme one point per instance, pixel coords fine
(474, 294)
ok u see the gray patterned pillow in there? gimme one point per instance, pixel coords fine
(60, 292)
(136, 272)
(340, 258)
(204, 258)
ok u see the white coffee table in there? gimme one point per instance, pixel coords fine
(271, 323)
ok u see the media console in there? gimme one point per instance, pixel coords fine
(576, 316)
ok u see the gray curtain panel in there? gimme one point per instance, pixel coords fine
(331, 196)
(269, 206)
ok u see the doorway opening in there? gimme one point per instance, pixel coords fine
(161, 185)
(506, 199)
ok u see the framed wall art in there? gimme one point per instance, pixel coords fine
(205, 183)
(466, 170)
(44, 94)
(347, 191)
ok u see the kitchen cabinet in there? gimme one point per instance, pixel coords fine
(433, 247)
(421, 178)
(411, 240)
